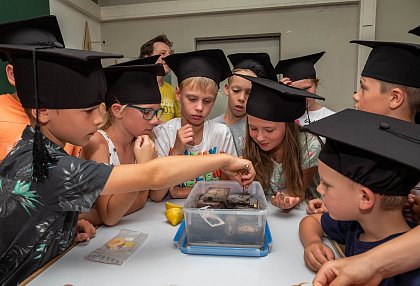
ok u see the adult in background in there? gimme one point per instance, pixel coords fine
(160, 45)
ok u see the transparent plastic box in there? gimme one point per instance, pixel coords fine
(225, 227)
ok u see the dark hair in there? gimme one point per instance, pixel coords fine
(147, 48)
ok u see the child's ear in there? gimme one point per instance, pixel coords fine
(398, 97)
(226, 89)
(43, 115)
(116, 110)
(178, 94)
(10, 74)
(367, 199)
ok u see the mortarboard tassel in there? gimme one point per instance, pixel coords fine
(41, 158)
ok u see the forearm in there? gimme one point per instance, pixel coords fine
(158, 195)
(180, 192)
(396, 256)
(111, 208)
(92, 217)
(162, 172)
(310, 230)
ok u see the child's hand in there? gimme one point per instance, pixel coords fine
(144, 149)
(316, 206)
(237, 170)
(316, 254)
(286, 81)
(85, 231)
(184, 136)
(283, 201)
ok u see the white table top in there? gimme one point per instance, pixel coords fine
(158, 262)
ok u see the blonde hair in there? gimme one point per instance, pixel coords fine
(413, 94)
(200, 83)
(385, 202)
(109, 118)
(244, 71)
(392, 202)
(292, 158)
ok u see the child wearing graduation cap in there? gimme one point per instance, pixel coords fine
(300, 72)
(284, 157)
(43, 188)
(363, 184)
(237, 90)
(133, 109)
(199, 74)
(389, 85)
(13, 118)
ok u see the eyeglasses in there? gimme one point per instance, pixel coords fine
(148, 113)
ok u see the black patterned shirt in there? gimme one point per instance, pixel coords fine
(38, 220)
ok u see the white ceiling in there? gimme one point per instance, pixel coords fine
(104, 3)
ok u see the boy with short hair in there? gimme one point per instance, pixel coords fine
(389, 85)
(199, 74)
(42, 188)
(13, 118)
(162, 47)
(364, 185)
(237, 90)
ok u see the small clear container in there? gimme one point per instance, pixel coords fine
(226, 227)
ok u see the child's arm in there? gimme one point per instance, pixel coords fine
(310, 232)
(169, 171)
(111, 208)
(399, 255)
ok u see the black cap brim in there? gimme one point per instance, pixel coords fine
(48, 23)
(81, 55)
(142, 61)
(415, 31)
(281, 88)
(385, 136)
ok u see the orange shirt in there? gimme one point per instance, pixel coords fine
(13, 120)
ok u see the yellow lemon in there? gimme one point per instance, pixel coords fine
(169, 205)
(174, 215)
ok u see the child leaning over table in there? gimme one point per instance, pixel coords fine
(199, 74)
(364, 184)
(43, 188)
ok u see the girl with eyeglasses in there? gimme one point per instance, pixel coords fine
(132, 111)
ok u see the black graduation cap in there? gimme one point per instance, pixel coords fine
(49, 76)
(66, 78)
(204, 63)
(40, 31)
(415, 31)
(134, 84)
(259, 63)
(273, 101)
(141, 61)
(397, 63)
(379, 152)
(300, 67)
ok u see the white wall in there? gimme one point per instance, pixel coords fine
(72, 25)
(304, 30)
(305, 26)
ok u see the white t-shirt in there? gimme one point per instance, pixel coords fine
(217, 139)
(314, 115)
